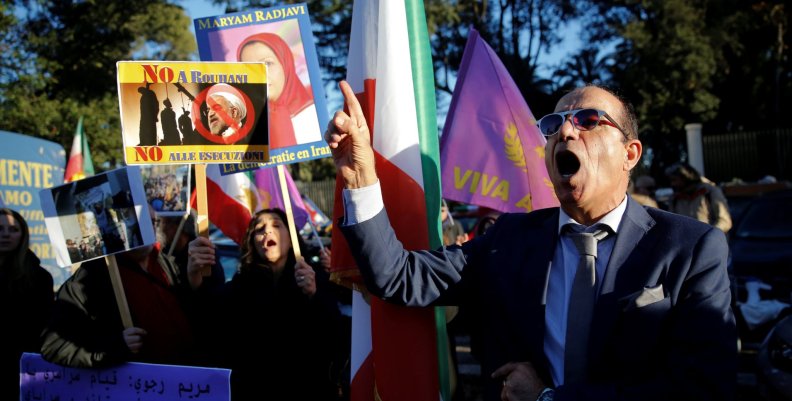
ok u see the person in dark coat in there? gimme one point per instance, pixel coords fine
(86, 329)
(277, 317)
(26, 296)
(176, 234)
(600, 299)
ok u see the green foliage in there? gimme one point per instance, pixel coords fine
(313, 170)
(706, 61)
(62, 65)
(724, 63)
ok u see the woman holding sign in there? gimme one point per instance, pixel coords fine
(292, 113)
(25, 295)
(277, 316)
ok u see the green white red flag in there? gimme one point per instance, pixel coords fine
(390, 70)
(80, 164)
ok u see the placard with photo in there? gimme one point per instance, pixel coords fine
(167, 188)
(282, 38)
(97, 216)
(175, 112)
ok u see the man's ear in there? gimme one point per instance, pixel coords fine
(633, 151)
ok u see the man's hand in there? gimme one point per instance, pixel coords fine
(520, 381)
(350, 143)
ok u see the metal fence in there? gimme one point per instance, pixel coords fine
(748, 155)
(321, 192)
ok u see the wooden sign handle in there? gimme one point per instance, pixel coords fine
(200, 200)
(289, 214)
(118, 290)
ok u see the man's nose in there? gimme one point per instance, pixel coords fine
(567, 130)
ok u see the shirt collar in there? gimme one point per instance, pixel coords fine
(612, 219)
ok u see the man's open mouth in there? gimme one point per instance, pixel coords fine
(567, 163)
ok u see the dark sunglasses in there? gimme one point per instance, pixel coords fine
(582, 119)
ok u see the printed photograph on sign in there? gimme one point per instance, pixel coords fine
(167, 188)
(181, 112)
(97, 216)
(281, 38)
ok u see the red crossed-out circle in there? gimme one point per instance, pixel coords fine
(240, 133)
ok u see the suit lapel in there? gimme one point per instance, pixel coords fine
(635, 224)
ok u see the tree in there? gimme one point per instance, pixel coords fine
(721, 63)
(66, 54)
(756, 88)
(519, 31)
(589, 65)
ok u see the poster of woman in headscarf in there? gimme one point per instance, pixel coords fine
(281, 38)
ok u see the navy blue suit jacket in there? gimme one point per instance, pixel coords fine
(681, 345)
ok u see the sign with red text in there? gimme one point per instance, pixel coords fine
(193, 112)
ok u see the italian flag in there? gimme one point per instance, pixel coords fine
(80, 164)
(395, 356)
(231, 199)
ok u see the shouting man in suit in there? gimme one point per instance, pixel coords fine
(600, 299)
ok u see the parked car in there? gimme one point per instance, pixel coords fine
(761, 243)
(761, 249)
(775, 363)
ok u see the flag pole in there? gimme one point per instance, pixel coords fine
(316, 234)
(289, 213)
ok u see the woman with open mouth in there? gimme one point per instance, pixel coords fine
(274, 324)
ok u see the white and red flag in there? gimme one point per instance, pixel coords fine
(390, 70)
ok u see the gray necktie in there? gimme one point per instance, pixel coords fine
(581, 306)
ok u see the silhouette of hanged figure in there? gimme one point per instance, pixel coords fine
(149, 108)
(168, 120)
(186, 128)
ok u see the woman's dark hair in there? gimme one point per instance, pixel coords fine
(248, 255)
(16, 260)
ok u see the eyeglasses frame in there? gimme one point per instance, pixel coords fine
(608, 121)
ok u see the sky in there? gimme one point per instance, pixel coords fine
(571, 43)
(201, 8)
